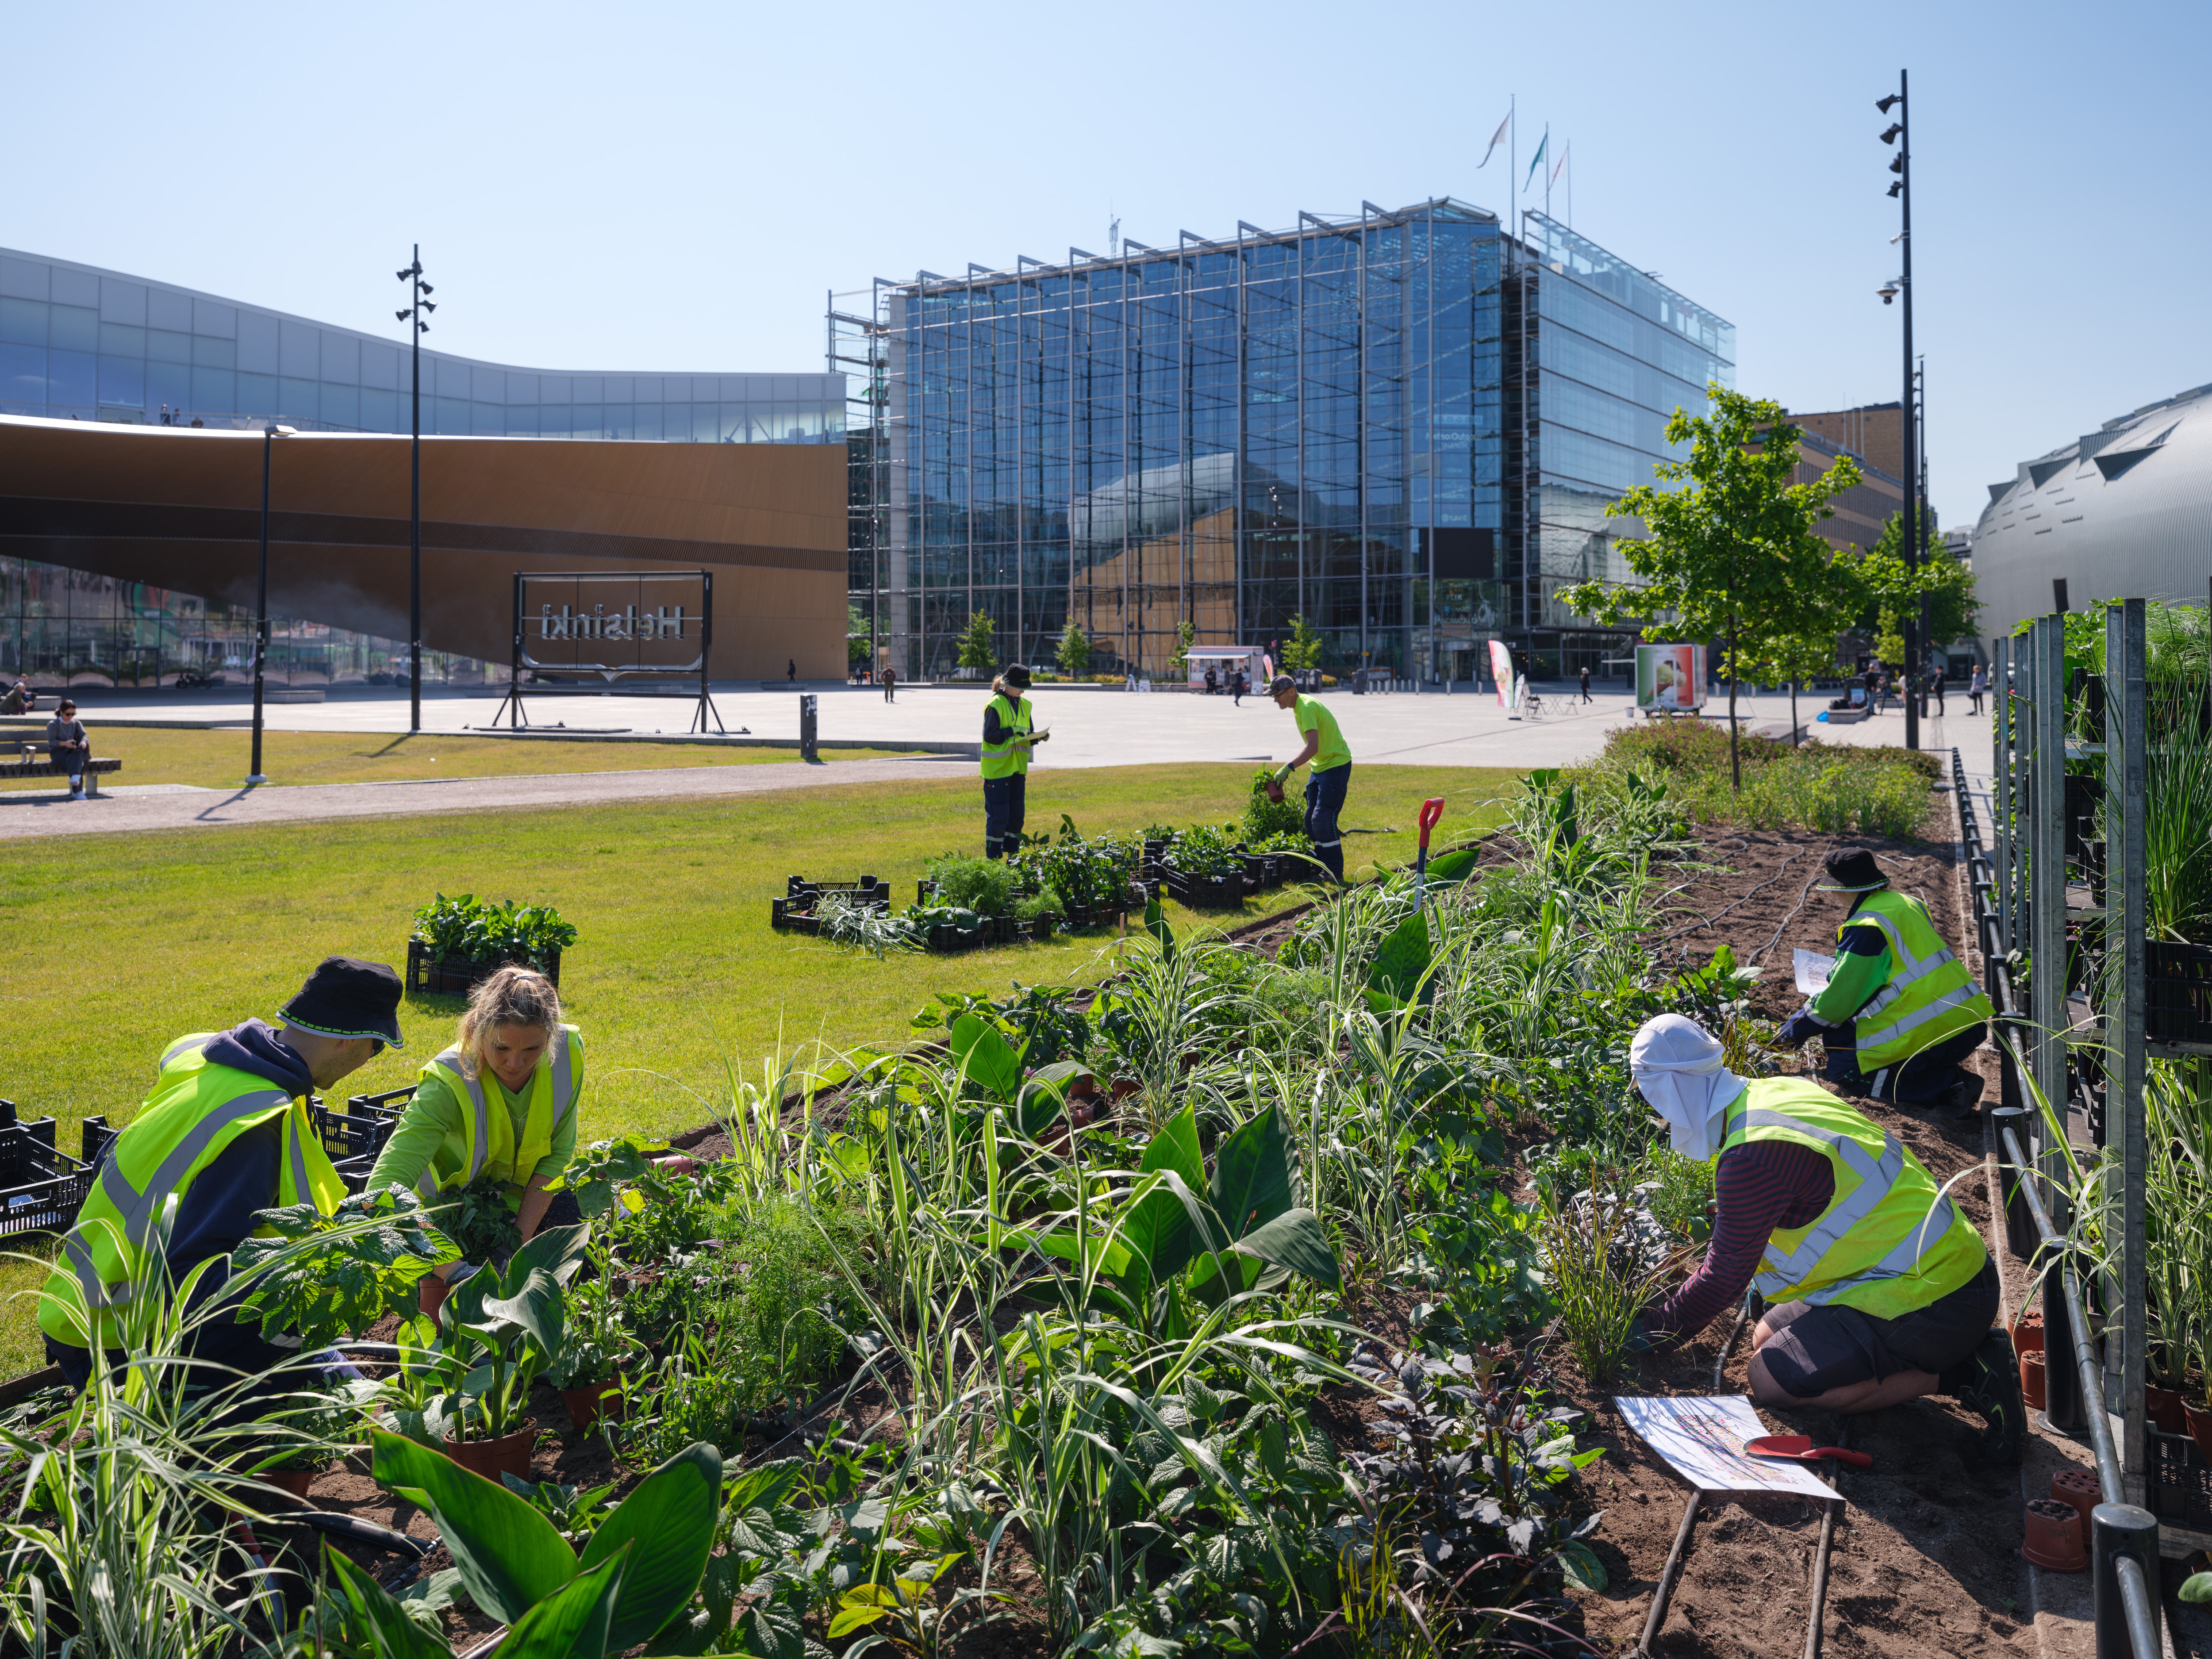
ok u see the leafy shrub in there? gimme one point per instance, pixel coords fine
(1094, 874)
(481, 931)
(1203, 851)
(1264, 818)
(1045, 901)
(1605, 1257)
(983, 885)
(1838, 790)
(479, 1219)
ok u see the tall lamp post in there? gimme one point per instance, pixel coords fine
(416, 291)
(1900, 134)
(269, 436)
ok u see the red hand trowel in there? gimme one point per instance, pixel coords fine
(1800, 1449)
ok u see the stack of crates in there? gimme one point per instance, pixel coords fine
(40, 1188)
(355, 1137)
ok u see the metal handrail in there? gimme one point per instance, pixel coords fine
(2135, 1598)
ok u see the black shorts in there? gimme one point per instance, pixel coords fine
(1815, 1348)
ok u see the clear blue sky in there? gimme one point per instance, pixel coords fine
(662, 186)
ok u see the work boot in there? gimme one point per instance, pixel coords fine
(1988, 1384)
(1966, 1095)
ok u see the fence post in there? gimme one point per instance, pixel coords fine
(2120, 1531)
(807, 738)
(2126, 759)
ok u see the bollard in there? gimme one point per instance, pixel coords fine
(2119, 1530)
(808, 739)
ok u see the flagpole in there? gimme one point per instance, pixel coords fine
(1513, 115)
(1547, 169)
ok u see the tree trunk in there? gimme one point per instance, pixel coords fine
(1735, 764)
(1793, 713)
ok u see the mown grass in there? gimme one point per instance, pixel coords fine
(221, 760)
(119, 943)
(1834, 790)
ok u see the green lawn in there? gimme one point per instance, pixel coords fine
(221, 760)
(119, 943)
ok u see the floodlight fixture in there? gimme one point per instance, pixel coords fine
(1884, 105)
(1890, 136)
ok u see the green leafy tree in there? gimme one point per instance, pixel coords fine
(1793, 659)
(1732, 552)
(1185, 637)
(1074, 654)
(1893, 591)
(859, 635)
(1304, 650)
(979, 643)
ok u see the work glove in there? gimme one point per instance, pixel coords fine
(1640, 1340)
(1799, 1029)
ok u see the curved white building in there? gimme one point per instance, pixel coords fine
(2124, 512)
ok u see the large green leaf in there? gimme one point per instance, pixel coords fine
(575, 1621)
(1160, 1228)
(1157, 921)
(509, 1555)
(1044, 1097)
(1293, 1240)
(1402, 963)
(397, 1635)
(671, 1517)
(1251, 1181)
(992, 1066)
(558, 1250)
(535, 1301)
(1456, 865)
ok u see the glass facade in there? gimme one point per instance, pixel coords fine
(1395, 426)
(79, 343)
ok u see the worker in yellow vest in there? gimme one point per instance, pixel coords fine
(1900, 1011)
(500, 1103)
(225, 1135)
(1332, 771)
(1008, 737)
(1879, 1289)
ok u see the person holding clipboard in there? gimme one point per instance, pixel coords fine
(1008, 740)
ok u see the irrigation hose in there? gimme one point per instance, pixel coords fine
(1728, 1344)
(1707, 921)
(1667, 1576)
(1829, 1511)
(1787, 920)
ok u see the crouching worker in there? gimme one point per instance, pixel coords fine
(1901, 1012)
(499, 1104)
(1878, 1289)
(224, 1135)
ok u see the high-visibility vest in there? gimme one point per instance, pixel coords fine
(114, 1252)
(1889, 1240)
(488, 1141)
(1930, 994)
(1008, 759)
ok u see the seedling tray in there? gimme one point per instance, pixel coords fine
(2177, 984)
(459, 976)
(40, 1188)
(2180, 1483)
(1207, 892)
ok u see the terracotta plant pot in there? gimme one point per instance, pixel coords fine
(509, 1454)
(2163, 1407)
(2054, 1536)
(587, 1406)
(294, 1481)
(2031, 1381)
(2027, 1335)
(1125, 1086)
(431, 1295)
(2199, 1422)
(2077, 1488)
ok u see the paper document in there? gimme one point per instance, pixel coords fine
(1812, 971)
(1702, 1438)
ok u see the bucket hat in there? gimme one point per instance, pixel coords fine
(1852, 869)
(346, 998)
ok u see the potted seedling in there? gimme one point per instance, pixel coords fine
(315, 1424)
(504, 1327)
(319, 1279)
(587, 1369)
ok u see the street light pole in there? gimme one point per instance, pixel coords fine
(1901, 135)
(268, 436)
(417, 289)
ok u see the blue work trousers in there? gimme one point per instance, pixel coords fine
(1004, 809)
(1324, 800)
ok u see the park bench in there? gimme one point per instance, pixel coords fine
(25, 756)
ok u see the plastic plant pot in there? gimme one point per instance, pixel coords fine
(509, 1454)
(2078, 1489)
(587, 1406)
(2031, 1381)
(2027, 1334)
(2054, 1536)
(2164, 1407)
(294, 1481)
(431, 1295)
(2199, 1423)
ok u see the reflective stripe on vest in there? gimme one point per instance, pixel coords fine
(1890, 1241)
(110, 1252)
(1007, 759)
(1930, 994)
(556, 1073)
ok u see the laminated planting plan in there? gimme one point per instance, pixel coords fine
(1702, 1438)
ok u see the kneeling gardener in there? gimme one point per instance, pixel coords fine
(1878, 1289)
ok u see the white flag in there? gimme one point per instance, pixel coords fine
(1495, 139)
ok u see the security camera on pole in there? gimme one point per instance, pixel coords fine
(1900, 134)
(417, 291)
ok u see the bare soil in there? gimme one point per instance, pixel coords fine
(1925, 1559)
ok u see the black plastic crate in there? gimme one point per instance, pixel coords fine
(41, 1188)
(2180, 1483)
(2178, 986)
(349, 1134)
(803, 895)
(1207, 892)
(459, 976)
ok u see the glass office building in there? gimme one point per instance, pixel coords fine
(1401, 427)
(77, 342)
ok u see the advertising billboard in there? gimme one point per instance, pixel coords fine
(1670, 677)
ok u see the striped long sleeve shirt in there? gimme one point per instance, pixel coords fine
(1757, 1188)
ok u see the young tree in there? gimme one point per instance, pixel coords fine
(1074, 652)
(1733, 552)
(859, 636)
(1304, 647)
(1893, 592)
(1185, 637)
(979, 646)
(1793, 660)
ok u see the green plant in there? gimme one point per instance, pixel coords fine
(1045, 901)
(499, 1329)
(846, 922)
(319, 1279)
(1894, 589)
(1185, 637)
(1264, 818)
(480, 1219)
(1204, 851)
(1602, 1272)
(979, 641)
(1303, 650)
(983, 885)
(1073, 654)
(481, 931)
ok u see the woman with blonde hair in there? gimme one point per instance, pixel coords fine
(500, 1102)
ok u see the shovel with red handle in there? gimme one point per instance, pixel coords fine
(1800, 1449)
(1431, 810)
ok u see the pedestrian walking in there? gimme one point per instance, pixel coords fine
(791, 669)
(1935, 688)
(890, 684)
(67, 747)
(1331, 772)
(1238, 684)
(1585, 680)
(1977, 688)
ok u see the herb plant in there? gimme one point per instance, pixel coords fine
(478, 930)
(319, 1279)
